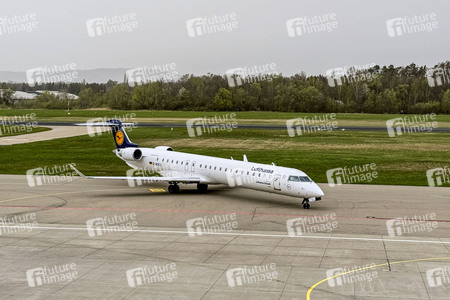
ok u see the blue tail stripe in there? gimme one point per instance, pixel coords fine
(120, 136)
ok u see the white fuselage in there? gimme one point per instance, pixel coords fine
(213, 170)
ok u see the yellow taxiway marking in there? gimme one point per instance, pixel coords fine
(57, 194)
(156, 190)
(308, 294)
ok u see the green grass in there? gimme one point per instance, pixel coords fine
(400, 161)
(257, 117)
(8, 130)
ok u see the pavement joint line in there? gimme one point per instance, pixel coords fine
(53, 194)
(190, 211)
(387, 256)
(241, 234)
(308, 293)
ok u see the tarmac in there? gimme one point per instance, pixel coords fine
(56, 132)
(75, 238)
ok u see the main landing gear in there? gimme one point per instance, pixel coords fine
(305, 204)
(174, 188)
(202, 187)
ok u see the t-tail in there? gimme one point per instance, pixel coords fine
(120, 136)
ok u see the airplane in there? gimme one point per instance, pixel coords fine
(178, 167)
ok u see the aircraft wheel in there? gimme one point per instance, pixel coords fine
(176, 188)
(202, 187)
(171, 189)
(306, 204)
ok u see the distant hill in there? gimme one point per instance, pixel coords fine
(96, 75)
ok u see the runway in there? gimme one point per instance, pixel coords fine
(247, 126)
(406, 265)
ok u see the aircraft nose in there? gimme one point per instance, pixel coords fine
(318, 191)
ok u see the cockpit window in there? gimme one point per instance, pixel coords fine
(294, 178)
(304, 179)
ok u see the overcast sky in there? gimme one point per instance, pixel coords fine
(260, 35)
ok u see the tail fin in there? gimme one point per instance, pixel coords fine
(118, 130)
(120, 136)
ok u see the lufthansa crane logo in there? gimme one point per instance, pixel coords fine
(119, 138)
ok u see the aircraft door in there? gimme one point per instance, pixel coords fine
(277, 182)
(186, 166)
(193, 167)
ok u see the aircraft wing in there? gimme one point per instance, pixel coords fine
(187, 179)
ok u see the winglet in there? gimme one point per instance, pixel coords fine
(76, 170)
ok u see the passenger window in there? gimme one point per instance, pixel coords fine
(220, 169)
(215, 168)
(201, 165)
(226, 169)
(172, 161)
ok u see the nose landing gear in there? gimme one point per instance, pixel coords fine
(306, 204)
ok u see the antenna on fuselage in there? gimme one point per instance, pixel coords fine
(245, 158)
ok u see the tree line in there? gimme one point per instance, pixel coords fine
(387, 89)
